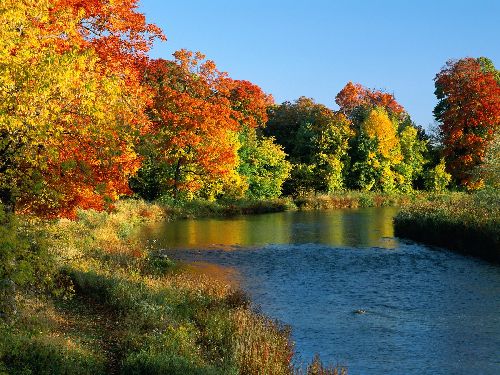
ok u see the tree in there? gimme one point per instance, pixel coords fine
(414, 149)
(263, 164)
(355, 96)
(316, 140)
(194, 126)
(68, 118)
(380, 152)
(436, 178)
(388, 151)
(489, 170)
(469, 114)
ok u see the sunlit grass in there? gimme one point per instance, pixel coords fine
(465, 222)
(354, 199)
(125, 308)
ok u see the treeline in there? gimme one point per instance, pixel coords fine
(86, 117)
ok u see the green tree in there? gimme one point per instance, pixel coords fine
(378, 153)
(436, 178)
(263, 164)
(489, 170)
(316, 139)
(414, 151)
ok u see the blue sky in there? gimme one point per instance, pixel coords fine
(313, 48)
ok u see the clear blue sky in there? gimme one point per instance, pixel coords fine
(313, 48)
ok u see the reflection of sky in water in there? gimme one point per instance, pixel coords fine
(428, 311)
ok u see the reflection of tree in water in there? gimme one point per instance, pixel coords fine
(350, 228)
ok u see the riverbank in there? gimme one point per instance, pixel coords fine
(91, 299)
(467, 223)
(227, 207)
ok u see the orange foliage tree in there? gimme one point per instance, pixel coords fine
(469, 114)
(354, 95)
(194, 132)
(71, 107)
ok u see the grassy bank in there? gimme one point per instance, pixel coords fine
(85, 297)
(353, 199)
(468, 223)
(348, 199)
(225, 208)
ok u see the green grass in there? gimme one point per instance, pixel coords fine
(348, 199)
(468, 223)
(122, 308)
(226, 207)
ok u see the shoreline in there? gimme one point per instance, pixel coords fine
(467, 224)
(119, 307)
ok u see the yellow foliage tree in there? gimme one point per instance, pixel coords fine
(67, 122)
(378, 125)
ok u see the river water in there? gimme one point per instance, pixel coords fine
(352, 292)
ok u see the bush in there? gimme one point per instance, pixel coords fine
(25, 262)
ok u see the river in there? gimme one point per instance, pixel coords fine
(352, 292)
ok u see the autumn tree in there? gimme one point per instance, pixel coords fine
(354, 97)
(68, 116)
(197, 113)
(469, 114)
(194, 127)
(262, 163)
(377, 151)
(387, 151)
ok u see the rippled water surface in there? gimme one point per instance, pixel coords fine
(428, 311)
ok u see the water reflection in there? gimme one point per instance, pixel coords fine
(340, 228)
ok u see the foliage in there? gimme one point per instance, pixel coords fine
(469, 114)
(263, 165)
(414, 151)
(388, 151)
(369, 144)
(380, 163)
(489, 170)
(316, 140)
(197, 114)
(354, 96)
(437, 179)
(70, 107)
(192, 121)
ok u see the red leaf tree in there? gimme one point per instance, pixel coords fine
(469, 114)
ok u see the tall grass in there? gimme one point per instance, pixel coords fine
(468, 223)
(224, 207)
(353, 199)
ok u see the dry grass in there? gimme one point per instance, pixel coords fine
(467, 223)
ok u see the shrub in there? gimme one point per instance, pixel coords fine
(25, 262)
